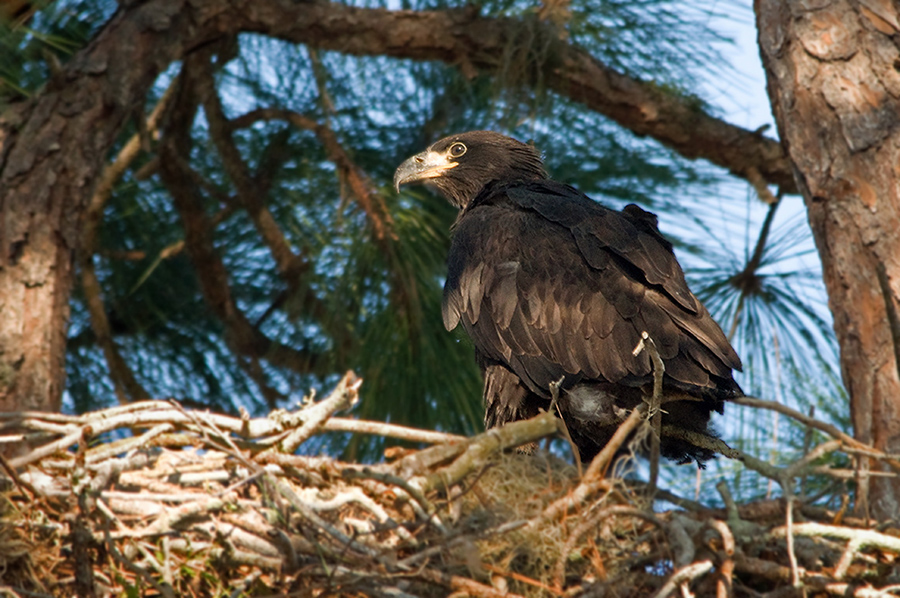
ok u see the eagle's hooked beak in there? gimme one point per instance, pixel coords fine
(426, 165)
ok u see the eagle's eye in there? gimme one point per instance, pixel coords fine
(457, 150)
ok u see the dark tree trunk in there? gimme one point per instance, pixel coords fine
(834, 84)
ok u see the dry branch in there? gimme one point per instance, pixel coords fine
(593, 479)
(684, 575)
(892, 460)
(344, 397)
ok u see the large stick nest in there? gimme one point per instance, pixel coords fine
(155, 500)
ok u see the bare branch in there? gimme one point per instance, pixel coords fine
(862, 537)
(339, 424)
(726, 568)
(654, 411)
(822, 426)
(291, 266)
(593, 478)
(344, 396)
(684, 575)
(475, 43)
(492, 442)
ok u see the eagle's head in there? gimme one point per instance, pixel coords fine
(460, 166)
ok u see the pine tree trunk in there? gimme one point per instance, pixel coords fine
(52, 150)
(38, 230)
(834, 84)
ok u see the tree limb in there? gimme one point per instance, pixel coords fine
(368, 199)
(289, 264)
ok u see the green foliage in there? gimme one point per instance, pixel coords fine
(32, 50)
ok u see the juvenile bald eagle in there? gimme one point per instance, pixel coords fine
(550, 285)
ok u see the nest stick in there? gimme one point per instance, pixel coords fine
(655, 409)
(344, 396)
(593, 477)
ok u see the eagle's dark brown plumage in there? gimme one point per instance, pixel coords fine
(551, 285)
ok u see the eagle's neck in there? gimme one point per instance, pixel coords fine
(495, 188)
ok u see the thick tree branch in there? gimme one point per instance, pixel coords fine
(475, 44)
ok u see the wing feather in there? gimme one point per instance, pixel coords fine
(623, 292)
(504, 297)
(609, 359)
(550, 320)
(688, 372)
(472, 290)
(601, 315)
(552, 284)
(524, 339)
(531, 305)
(660, 326)
(450, 307)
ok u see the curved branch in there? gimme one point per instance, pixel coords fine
(144, 38)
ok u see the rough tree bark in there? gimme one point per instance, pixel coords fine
(833, 79)
(51, 152)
